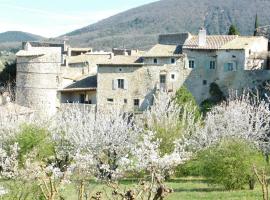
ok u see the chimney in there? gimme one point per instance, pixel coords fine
(202, 37)
(111, 55)
(27, 46)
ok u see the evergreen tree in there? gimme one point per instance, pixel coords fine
(256, 25)
(233, 30)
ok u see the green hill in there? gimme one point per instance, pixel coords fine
(139, 27)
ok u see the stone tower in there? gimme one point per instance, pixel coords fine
(38, 71)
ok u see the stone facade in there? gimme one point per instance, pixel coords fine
(141, 82)
(47, 76)
(37, 80)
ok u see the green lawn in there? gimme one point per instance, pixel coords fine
(186, 189)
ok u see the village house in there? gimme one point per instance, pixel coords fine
(54, 75)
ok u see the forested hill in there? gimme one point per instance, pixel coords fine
(13, 39)
(139, 27)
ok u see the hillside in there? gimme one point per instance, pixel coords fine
(139, 27)
(12, 39)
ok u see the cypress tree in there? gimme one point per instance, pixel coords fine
(256, 25)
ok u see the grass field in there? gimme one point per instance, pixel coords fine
(186, 189)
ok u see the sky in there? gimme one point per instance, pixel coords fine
(51, 18)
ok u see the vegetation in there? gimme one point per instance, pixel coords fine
(139, 27)
(58, 157)
(8, 74)
(216, 97)
(256, 24)
(233, 30)
(230, 164)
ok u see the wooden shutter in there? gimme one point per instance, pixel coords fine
(125, 84)
(114, 84)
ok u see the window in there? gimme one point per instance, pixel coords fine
(173, 60)
(172, 76)
(204, 82)
(110, 100)
(120, 83)
(125, 101)
(155, 61)
(229, 66)
(191, 64)
(162, 78)
(82, 98)
(137, 102)
(212, 64)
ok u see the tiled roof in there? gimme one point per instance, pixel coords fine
(122, 60)
(241, 42)
(91, 58)
(162, 50)
(23, 53)
(212, 42)
(80, 49)
(86, 83)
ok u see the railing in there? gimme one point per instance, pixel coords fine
(164, 87)
(80, 106)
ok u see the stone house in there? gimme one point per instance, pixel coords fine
(51, 76)
(178, 59)
(224, 59)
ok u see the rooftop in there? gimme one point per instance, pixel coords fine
(241, 42)
(163, 50)
(122, 60)
(91, 58)
(213, 42)
(84, 84)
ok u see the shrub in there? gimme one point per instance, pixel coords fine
(184, 97)
(35, 138)
(230, 164)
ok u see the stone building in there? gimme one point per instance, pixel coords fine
(177, 59)
(51, 76)
(38, 75)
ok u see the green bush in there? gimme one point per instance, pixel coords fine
(230, 164)
(32, 138)
(184, 97)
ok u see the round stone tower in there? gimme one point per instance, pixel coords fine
(37, 78)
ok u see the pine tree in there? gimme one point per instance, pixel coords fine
(233, 30)
(256, 25)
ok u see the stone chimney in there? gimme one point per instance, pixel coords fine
(111, 55)
(202, 37)
(27, 46)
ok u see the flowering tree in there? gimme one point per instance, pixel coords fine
(244, 117)
(171, 121)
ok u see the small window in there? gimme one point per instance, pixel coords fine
(162, 78)
(191, 64)
(120, 69)
(204, 82)
(173, 60)
(229, 66)
(155, 61)
(173, 76)
(125, 101)
(212, 64)
(82, 98)
(120, 83)
(110, 100)
(136, 102)
(250, 52)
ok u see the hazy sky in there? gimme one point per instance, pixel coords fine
(51, 18)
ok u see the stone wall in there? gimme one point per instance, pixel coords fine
(37, 81)
(142, 83)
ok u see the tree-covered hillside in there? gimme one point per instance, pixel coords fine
(139, 27)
